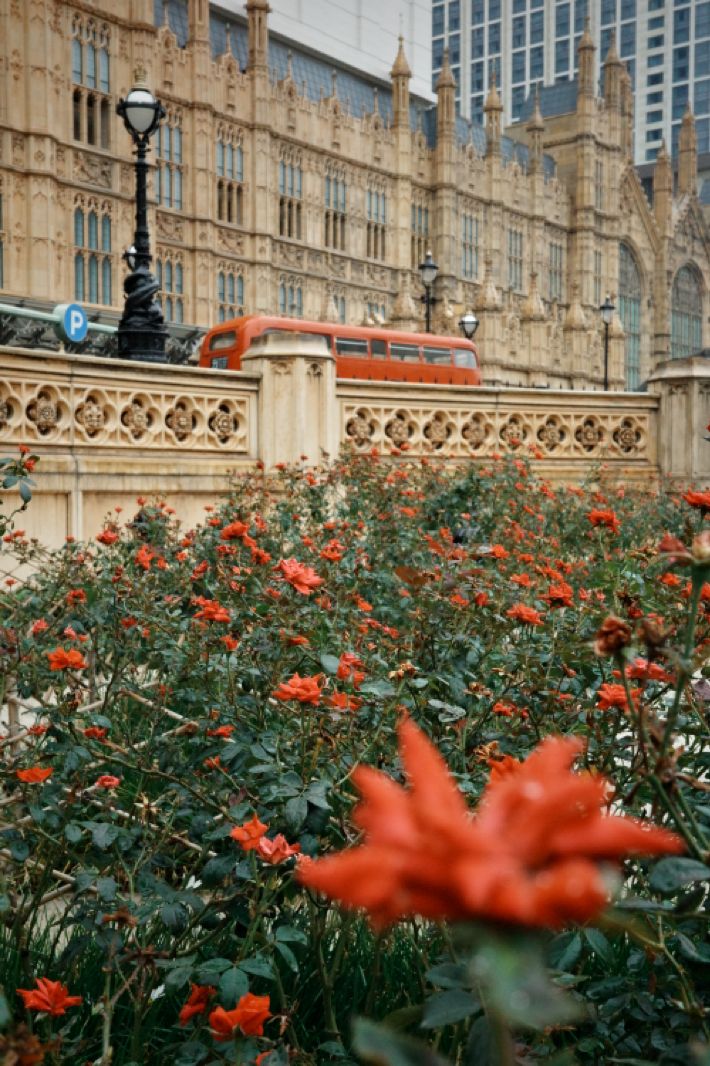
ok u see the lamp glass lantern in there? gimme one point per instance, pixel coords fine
(607, 312)
(141, 112)
(468, 324)
(428, 270)
(130, 256)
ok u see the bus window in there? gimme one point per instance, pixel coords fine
(219, 362)
(351, 346)
(378, 349)
(439, 356)
(465, 358)
(405, 352)
(223, 340)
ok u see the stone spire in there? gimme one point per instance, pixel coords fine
(535, 128)
(198, 17)
(493, 109)
(687, 154)
(663, 190)
(612, 77)
(258, 11)
(627, 115)
(586, 50)
(446, 91)
(533, 308)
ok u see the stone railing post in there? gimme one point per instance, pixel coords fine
(683, 389)
(298, 414)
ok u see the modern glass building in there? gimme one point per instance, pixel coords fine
(664, 43)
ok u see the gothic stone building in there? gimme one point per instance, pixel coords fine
(282, 186)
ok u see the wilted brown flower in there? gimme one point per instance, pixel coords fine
(614, 635)
(22, 1048)
(122, 917)
(653, 636)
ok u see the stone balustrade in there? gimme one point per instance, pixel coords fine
(109, 431)
(571, 429)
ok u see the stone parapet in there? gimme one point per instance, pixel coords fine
(572, 429)
(108, 431)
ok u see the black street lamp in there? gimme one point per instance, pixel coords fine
(468, 325)
(141, 331)
(428, 270)
(607, 312)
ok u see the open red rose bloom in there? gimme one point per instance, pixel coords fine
(528, 857)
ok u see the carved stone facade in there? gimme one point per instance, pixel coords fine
(530, 229)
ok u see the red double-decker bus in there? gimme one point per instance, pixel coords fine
(363, 352)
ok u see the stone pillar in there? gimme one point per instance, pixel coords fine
(298, 413)
(683, 389)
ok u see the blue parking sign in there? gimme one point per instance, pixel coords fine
(71, 324)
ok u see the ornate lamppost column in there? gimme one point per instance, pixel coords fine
(607, 312)
(141, 331)
(428, 270)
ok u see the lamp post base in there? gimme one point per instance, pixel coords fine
(144, 346)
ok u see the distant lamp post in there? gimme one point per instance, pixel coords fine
(141, 331)
(607, 312)
(468, 325)
(428, 270)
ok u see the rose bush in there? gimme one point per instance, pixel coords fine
(203, 708)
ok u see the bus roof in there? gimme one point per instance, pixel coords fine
(299, 325)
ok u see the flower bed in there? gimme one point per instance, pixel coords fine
(188, 876)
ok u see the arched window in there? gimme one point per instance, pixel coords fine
(282, 299)
(91, 71)
(230, 172)
(93, 280)
(220, 287)
(630, 313)
(93, 231)
(93, 273)
(170, 277)
(342, 309)
(79, 228)
(686, 314)
(106, 281)
(79, 290)
(299, 302)
(168, 158)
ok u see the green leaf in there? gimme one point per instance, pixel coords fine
(72, 832)
(330, 663)
(699, 952)
(481, 1046)
(104, 834)
(599, 944)
(379, 1045)
(449, 975)
(209, 972)
(259, 967)
(107, 889)
(444, 1008)
(20, 850)
(5, 1014)
(25, 492)
(191, 1054)
(177, 978)
(512, 970)
(287, 955)
(217, 869)
(295, 813)
(670, 874)
(404, 1017)
(335, 1051)
(288, 935)
(564, 951)
(233, 984)
(175, 916)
